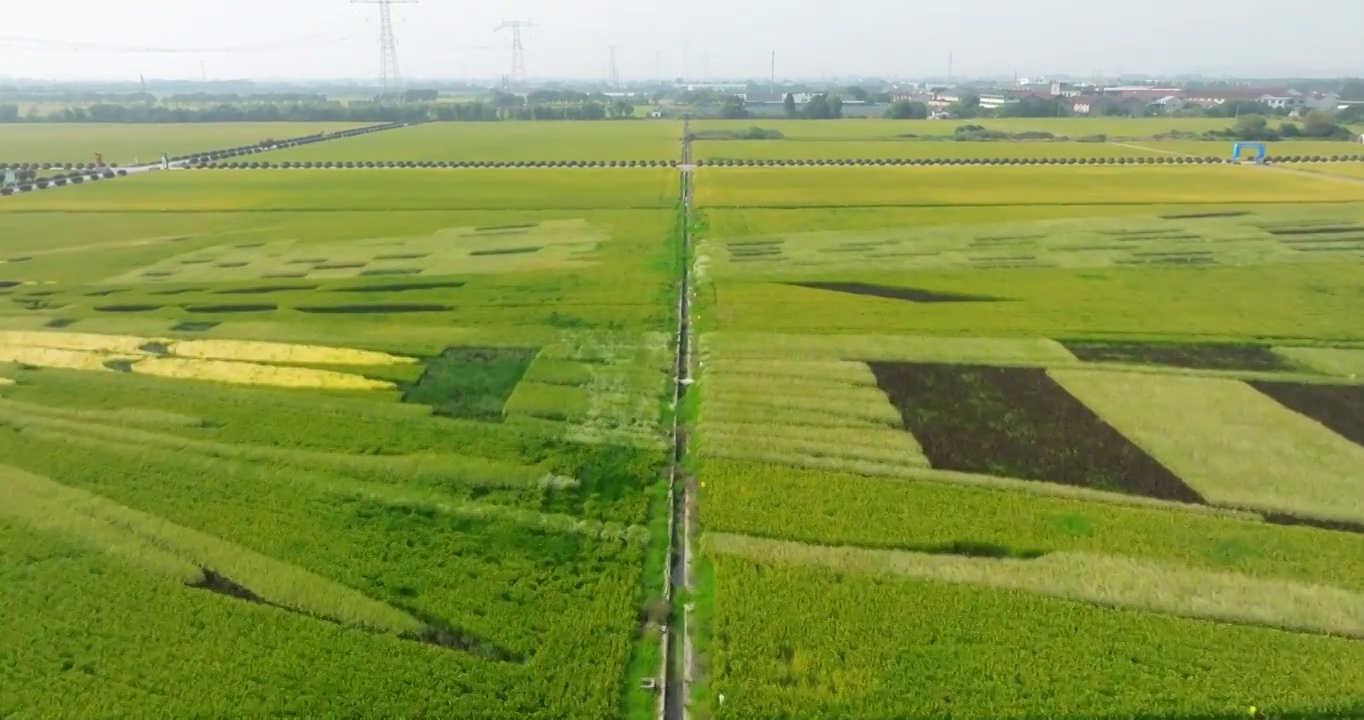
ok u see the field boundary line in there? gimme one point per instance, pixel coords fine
(1151, 149)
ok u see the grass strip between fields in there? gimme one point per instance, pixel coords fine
(438, 468)
(182, 554)
(1087, 577)
(387, 494)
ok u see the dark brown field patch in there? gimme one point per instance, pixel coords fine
(391, 272)
(196, 261)
(264, 289)
(262, 307)
(1318, 230)
(1297, 521)
(305, 261)
(10, 283)
(195, 326)
(1201, 216)
(1018, 422)
(59, 323)
(1008, 239)
(403, 287)
(505, 251)
(21, 258)
(230, 265)
(1338, 407)
(403, 256)
(284, 276)
(1192, 356)
(373, 309)
(127, 308)
(178, 291)
(914, 295)
(158, 273)
(434, 632)
(340, 266)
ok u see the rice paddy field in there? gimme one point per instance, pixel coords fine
(975, 442)
(932, 139)
(126, 143)
(1029, 443)
(379, 458)
(503, 141)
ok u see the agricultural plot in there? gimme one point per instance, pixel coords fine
(943, 415)
(224, 191)
(1346, 170)
(911, 148)
(342, 453)
(1284, 149)
(882, 129)
(130, 143)
(1012, 186)
(504, 141)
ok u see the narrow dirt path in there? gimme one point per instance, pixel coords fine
(681, 492)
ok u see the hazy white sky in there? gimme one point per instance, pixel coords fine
(714, 38)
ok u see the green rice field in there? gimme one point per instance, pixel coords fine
(1025, 442)
(915, 149)
(360, 459)
(129, 143)
(759, 443)
(503, 141)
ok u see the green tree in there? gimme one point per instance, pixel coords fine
(968, 106)
(790, 105)
(733, 108)
(907, 110)
(1253, 127)
(1352, 90)
(859, 93)
(1320, 124)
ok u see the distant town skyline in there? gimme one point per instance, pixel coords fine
(334, 39)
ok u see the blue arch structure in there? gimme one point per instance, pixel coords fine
(1259, 152)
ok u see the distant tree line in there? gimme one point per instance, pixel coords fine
(503, 106)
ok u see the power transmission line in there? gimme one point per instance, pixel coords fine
(518, 73)
(390, 74)
(65, 45)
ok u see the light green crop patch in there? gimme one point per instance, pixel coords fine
(1235, 446)
(795, 443)
(1332, 361)
(1238, 238)
(557, 244)
(905, 348)
(1100, 579)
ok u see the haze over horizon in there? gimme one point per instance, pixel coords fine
(332, 39)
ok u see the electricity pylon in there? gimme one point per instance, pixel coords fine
(615, 67)
(518, 73)
(390, 75)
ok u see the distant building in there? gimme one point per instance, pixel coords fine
(1275, 98)
(778, 98)
(1108, 105)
